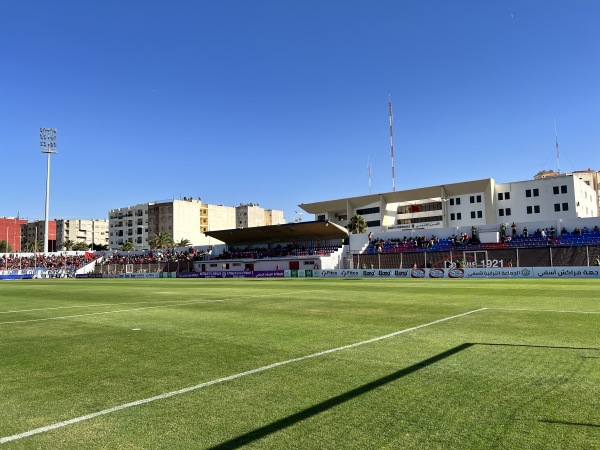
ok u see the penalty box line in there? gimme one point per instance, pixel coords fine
(65, 423)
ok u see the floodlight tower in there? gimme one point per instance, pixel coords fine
(48, 146)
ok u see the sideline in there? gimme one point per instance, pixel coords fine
(65, 423)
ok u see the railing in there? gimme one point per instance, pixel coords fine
(480, 256)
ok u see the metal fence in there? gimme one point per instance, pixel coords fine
(516, 257)
(171, 266)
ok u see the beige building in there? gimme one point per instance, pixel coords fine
(252, 215)
(182, 219)
(94, 231)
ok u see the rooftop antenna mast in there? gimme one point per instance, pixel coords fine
(392, 143)
(557, 153)
(369, 171)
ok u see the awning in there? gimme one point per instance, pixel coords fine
(272, 234)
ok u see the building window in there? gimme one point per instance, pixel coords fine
(458, 216)
(500, 196)
(565, 206)
(451, 202)
(536, 192)
(472, 199)
(458, 201)
(508, 211)
(555, 190)
(529, 210)
(563, 189)
(479, 214)
(479, 199)
(528, 193)
(365, 211)
(507, 196)
(536, 209)
(321, 217)
(472, 214)
(373, 223)
(501, 212)
(452, 216)
(557, 205)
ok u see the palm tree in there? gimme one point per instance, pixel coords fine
(68, 244)
(128, 247)
(33, 246)
(357, 224)
(161, 240)
(182, 243)
(81, 246)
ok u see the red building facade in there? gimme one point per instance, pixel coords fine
(10, 231)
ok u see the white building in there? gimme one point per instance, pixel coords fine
(128, 224)
(75, 230)
(589, 177)
(466, 204)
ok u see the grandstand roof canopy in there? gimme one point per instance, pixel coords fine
(298, 231)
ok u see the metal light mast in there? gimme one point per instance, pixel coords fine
(48, 146)
(392, 145)
(557, 154)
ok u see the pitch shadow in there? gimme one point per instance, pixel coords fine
(281, 424)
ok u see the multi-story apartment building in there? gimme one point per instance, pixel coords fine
(252, 215)
(471, 203)
(10, 231)
(93, 231)
(128, 224)
(182, 219)
(589, 177)
(32, 235)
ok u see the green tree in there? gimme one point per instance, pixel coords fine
(33, 246)
(99, 247)
(128, 247)
(67, 245)
(81, 246)
(182, 243)
(357, 224)
(5, 247)
(161, 240)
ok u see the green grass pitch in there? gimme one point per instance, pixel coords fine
(300, 364)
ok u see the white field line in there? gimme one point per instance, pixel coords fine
(544, 310)
(65, 423)
(96, 305)
(190, 302)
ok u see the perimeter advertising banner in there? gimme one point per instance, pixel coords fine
(505, 272)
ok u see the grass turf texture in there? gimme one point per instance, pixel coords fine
(526, 375)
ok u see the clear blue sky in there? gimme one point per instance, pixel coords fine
(285, 102)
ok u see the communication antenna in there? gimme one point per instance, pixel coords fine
(557, 152)
(392, 143)
(369, 172)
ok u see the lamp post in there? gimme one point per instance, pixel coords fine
(48, 146)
